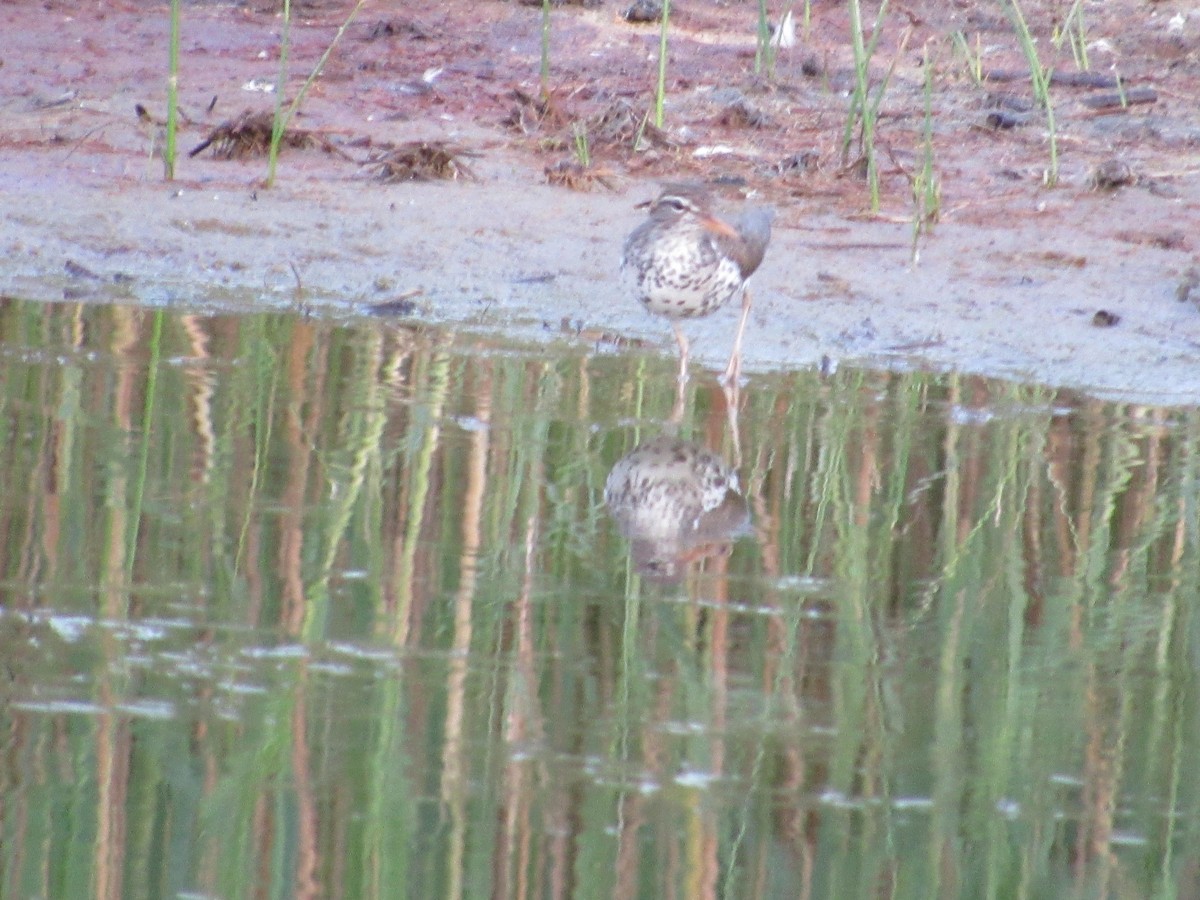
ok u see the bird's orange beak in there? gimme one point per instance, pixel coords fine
(716, 226)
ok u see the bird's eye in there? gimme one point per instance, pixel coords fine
(673, 203)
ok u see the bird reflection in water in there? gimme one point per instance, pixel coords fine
(677, 503)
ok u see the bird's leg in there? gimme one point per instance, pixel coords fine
(733, 401)
(681, 339)
(677, 410)
(734, 370)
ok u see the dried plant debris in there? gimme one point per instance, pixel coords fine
(534, 113)
(619, 124)
(403, 28)
(150, 120)
(1165, 239)
(616, 125)
(1112, 174)
(250, 135)
(804, 161)
(421, 161)
(739, 112)
(80, 274)
(77, 270)
(577, 328)
(571, 174)
(146, 117)
(1188, 289)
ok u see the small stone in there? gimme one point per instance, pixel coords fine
(1112, 174)
(643, 11)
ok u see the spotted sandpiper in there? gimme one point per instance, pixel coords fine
(685, 262)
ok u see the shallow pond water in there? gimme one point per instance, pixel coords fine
(306, 608)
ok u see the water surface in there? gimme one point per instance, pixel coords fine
(308, 608)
